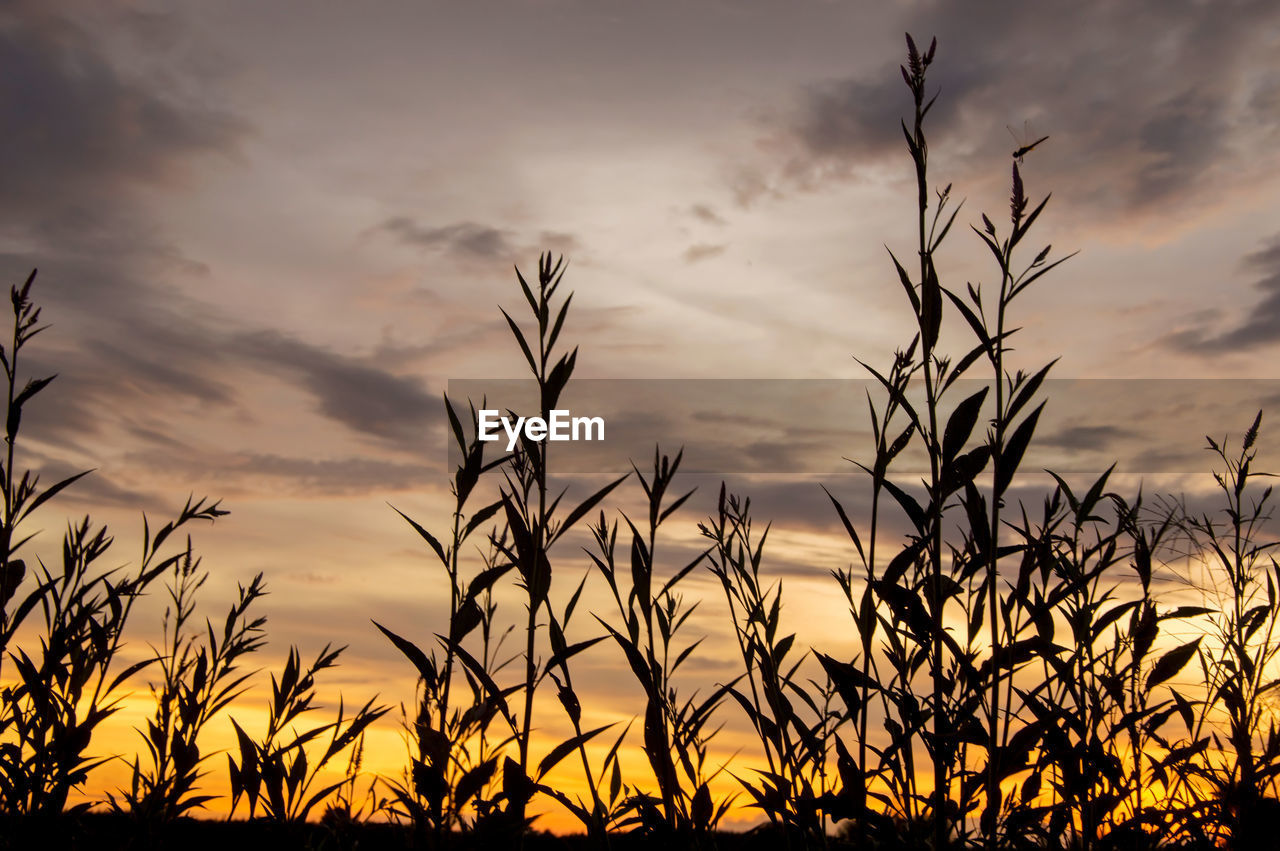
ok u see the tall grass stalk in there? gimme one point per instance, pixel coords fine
(792, 789)
(530, 510)
(676, 732)
(451, 763)
(64, 690)
(279, 771)
(199, 677)
(1231, 789)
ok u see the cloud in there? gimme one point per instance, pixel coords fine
(1084, 437)
(345, 475)
(473, 241)
(557, 242)
(1186, 136)
(858, 118)
(93, 491)
(1161, 103)
(703, 251)
(78, 130)
(84, 133)
(706, 213)
(348, 390)
(87, 133)
(467, 239)
(122, 351)
(135, 376)
(1261, 327)
(148, 368)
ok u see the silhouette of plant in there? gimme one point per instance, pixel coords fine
(70, 685)
(200, 677)
(1229, 790)
(930, 575)
(276, 771)
(794, 742)
(978, 727)
(453, 760)
(534, 528)
(1087, 702)
(456, 761)
(676, 732)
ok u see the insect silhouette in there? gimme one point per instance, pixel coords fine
(1024, 146)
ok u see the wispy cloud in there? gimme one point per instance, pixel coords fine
(80, 130)
(346, 389)
(257, 472)
(1259, 327)
(703, 251)
(464, 238)
(1194, 70)
(470, 240)
(707, 214)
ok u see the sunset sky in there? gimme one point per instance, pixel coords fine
(269, 234)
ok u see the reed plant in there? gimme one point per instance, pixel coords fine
(278, 772)
(790, 716)
(63, 690)
(453, 759)
(968, 706)
(1225, 784)
(677, 732)
(535, 525)
(200, 676)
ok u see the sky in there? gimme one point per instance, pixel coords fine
(270, 234)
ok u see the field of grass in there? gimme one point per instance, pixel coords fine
(1015, 656)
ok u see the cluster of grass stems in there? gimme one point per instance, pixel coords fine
(1046, 719)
